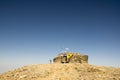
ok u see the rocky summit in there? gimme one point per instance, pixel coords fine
(65, 71)
(74, 67)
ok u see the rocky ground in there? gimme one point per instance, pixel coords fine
(58, 71)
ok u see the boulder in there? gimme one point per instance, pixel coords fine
(74, 58)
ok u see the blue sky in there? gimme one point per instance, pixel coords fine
(34, 31)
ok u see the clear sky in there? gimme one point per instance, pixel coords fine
(34, 31)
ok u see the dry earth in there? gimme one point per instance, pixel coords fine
(58, 71)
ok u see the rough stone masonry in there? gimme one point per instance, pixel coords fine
(74, 58)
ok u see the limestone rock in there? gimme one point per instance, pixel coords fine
(75, 58)
(58, 71)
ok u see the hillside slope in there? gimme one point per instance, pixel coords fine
(57, 71)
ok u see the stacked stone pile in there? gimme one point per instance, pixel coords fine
(75, 58)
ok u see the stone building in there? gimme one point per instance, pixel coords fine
(71, 57)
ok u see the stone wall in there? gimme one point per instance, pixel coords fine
(75, 58)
